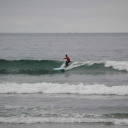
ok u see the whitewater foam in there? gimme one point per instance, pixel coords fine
(26, 120)
(33, 114)
(66, 88)
(118, 65)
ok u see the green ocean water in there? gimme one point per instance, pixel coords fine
(92, 90)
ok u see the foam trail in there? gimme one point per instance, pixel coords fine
(63, 64)
(75, 65)
(66, 88)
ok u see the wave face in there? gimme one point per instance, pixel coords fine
(42, 67)
(30, 67)
(55, 88)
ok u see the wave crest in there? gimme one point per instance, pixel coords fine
(31, 120)
(66, 88)
(43, 67)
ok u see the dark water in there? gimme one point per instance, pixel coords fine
(92, 90)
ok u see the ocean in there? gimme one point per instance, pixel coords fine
(92, 92)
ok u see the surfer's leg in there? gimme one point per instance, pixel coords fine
(66, 64)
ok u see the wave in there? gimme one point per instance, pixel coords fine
(64, 118)
(44, 67)
(30, 67)
(99, 67)
(57, 115)
(25, 120)
(66, 88)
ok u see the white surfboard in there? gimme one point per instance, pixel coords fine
(59, 69)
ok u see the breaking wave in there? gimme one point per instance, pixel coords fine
(66, 88)
(32, 115)
(25, 120)
(44, 67)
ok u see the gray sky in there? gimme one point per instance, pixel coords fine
(49, 16)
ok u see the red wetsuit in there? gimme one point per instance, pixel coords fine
(68, 59)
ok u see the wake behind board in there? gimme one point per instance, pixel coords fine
(59, 69)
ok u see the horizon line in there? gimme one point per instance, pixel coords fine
(61, 32)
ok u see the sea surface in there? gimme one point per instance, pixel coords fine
(91, 93)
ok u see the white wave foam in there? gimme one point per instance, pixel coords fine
(66, 88)
(75, 64)
(119, 65)
(29, 119)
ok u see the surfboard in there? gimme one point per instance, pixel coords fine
(59, 69)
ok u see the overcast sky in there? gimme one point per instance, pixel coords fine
(58, 16)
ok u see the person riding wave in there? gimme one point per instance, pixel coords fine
(67, 60)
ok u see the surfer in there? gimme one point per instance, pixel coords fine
(67, 60)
